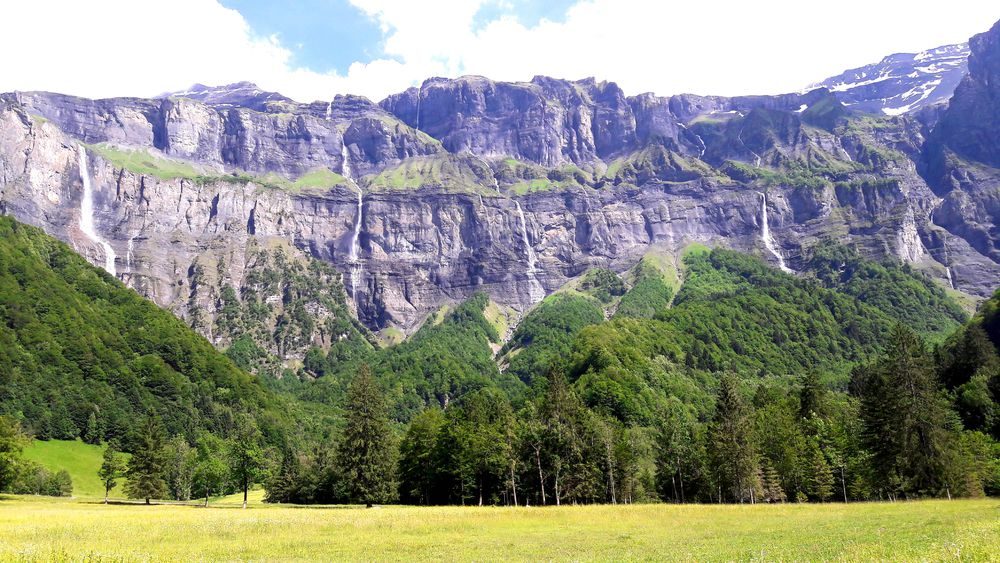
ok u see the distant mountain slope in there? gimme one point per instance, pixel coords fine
(470, 185)
(81, 355)
(903, 82)
(239, 94)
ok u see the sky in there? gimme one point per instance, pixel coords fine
(314, 49)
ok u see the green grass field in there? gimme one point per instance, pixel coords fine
(32, 528)
(81, 461)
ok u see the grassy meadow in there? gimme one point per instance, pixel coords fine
(80, 460)
(35, 528)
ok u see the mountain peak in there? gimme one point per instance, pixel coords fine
(902, 82)
(240, 94)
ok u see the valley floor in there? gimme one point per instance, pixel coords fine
(34, 528)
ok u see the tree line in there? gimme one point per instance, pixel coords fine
(895, 435)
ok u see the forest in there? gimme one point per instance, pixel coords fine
(855, 380)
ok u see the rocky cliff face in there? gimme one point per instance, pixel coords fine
(467, 185)
(962, 154)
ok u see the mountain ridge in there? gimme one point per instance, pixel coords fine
(467, 185)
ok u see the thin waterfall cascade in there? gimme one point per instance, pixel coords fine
(765, 236)
(354, 253)
(129, 253)
(493, 175)
(535, 290)
(345, 162)
(951, 279)
(87, 215)
(756, 157)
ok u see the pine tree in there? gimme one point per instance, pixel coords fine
(771, 484)
(247, 458)
(905, 419)
(146, 467)
(366, 452)
(731, 443)
(811, 397)
(820, 476)
(283, 485)
(112, 469)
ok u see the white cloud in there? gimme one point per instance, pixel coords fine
(141, 48)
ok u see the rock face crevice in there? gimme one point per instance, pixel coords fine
(470, 185)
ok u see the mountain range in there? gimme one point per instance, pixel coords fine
(229, 205)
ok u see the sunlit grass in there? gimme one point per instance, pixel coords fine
(36, 528)
(80, 460)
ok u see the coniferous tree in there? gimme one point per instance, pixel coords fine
(112, 468)
(811, 397)
(732, 445)
(146, 467)
(284, 484)
(771, 484)
(247, 458)
(367, 456)
(820, 482)
(905, 419)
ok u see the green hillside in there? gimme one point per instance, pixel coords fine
(81, 461)
(82, 356)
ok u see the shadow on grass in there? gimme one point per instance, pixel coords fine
(201, 504)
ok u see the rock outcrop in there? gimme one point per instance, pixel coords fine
(472, 185)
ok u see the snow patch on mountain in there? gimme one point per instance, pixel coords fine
(902, 83)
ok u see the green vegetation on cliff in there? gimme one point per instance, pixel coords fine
(83, 356)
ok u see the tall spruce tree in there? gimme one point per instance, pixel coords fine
(146, 467)
(731, 443)
(367, 455)
(820, 477)
(905, 418)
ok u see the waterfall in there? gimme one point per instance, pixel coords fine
(329, 111)
(420, 94)
(493, 175)
(704, 147)
(535, 290)
(354, 254)
(87, 215)
(756, 157)
(345, 159)
(765, 235)
(129, 251)
(951, 280)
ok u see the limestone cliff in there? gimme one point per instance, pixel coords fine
(466, 185)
